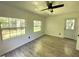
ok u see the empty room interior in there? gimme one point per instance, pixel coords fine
(39, 28)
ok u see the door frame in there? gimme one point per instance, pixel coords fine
(75, 28)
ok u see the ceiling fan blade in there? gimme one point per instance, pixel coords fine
(57, 6)
(44, 9)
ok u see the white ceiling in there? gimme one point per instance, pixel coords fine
(37, 6)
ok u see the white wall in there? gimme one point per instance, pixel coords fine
(8, 11)
(55, 24)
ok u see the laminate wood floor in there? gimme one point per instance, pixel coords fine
(46, 46)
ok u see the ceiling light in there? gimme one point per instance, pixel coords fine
(51, 10)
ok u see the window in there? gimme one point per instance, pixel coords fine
(70, 24)
(11, 27)
(37, 25)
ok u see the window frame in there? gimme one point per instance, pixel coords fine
(39, 25)
(13, 29)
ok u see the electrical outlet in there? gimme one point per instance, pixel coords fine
(59, 33)
(29, 37)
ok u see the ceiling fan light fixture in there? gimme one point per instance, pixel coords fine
(51, 10)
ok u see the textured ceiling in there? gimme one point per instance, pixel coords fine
(37, 6)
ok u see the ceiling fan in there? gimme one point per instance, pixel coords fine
(50, 7)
